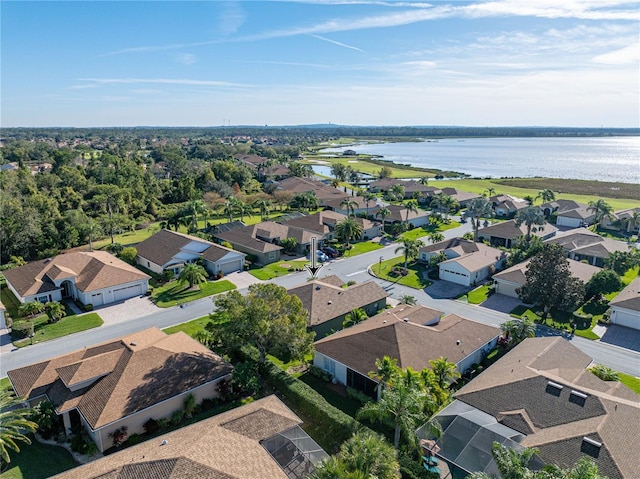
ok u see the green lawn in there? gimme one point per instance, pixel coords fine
(362, 247)
(478, 295)
(427, 230)
(190, 327)
(5, 384)
(44, 331)
(298, 363)
(38, 461)
(174, 293)
(280, 268)
(360, 163)
(414, 279)
(631, 382)
(560, 320)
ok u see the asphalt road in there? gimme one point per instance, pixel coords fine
(355, 268)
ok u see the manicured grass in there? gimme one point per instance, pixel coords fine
(292, 364)
(280, 268)
(427, 230)
(574, 186)
(10, 302)
(190, 327)
(43, 331)
(347, 405)
(38, 461)
(174, 293)
(5, 384)
(360, 163)
(480, 185)
(414, 279)
(362, 247)
(631, 382)
(560, 320)
(478, 295)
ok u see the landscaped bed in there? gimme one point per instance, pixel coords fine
(174, 293)
(414, 277)
(556, 319)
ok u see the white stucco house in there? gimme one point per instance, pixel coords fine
(95, 277)
(625, 307)
(170, 250)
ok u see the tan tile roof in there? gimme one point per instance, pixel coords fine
(300, 185)
(509, 230)
(516, 273)
(629, 297)
(398, 213)
(410, 342)
(92, 270)
(610, 412)
(133, 373)
(246, 236)
(475, 260)
(223, 446)
(325, 300)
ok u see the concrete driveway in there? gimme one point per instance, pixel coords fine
(622, 336)
(126, 310)
(242, 279)
(502, 303)
(441, 289)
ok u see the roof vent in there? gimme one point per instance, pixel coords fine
(318, 287)
(329, 302)
(406, 320)
(577, 397)
(164, 442)
(590, 447)
(133, 344)
(554, 388)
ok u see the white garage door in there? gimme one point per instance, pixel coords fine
(128, 292)
(97, 299)
(231, 266)
(454, 277)
(508, 289)
(624, 318)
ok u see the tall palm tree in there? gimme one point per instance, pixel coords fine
(601, 209)
(368, 198)
(410, 248)
(194, 208)
(530, 216)
(229, 209)
(347, 229)
(386, 369)
(517, 330)
(242, 209)
(349, 205)
(354, 317)
(193, 274)
(264, 206)
(489, 192)
(476, 209)
(383, 213)
(397, 191)
(546, 195)
(412, 207)
(14, 425)
(424, 180)
(436, 237)
(444, 371)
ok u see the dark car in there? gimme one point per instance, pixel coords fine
(330, 252)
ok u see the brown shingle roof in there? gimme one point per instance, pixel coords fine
(92, 270)
(516, 273)
(629, 297)
(411, 343)
(325, 300)
(509, 230)
(246, 237)
(208, 449)
(132, 373)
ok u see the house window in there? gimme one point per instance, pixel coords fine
(148, 265)
(272, 255)
(43, 299)
(330, 365)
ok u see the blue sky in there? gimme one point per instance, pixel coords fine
(208, 63)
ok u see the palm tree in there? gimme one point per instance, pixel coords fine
(397, 191)
(193, 274)
(436, 237)
(634, 221)
(530, 216)
(386, 369)
(517, 330)
(408, 300)
(31, 309)
(194, 208)
(229, 209)
(55, 311)
(383, 213)
(424, 180)
(546, 195)
(368, 198)
(354, 317)
(347, 229)
(339, 171)
(601, 209)
(349, 205)
(370, 453)
(410, 248)
(242, 209)
(264, 206)
(309, 201)
(412, 207)
(14, 425)
(489, 192)
(478, 208)
(444, 371)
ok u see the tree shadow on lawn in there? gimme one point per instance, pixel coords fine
(177, 293)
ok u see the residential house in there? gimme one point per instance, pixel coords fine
(123, 382)
(169, 251)
(260, 439)
(324, 193)
(264, 167)
(324, 223)
(625, 220)
(329, 300)
(504, 233)
(360, 206)
(505, 206)
(584, 245)
(508, 281)
(541, 395)
(384, 184)
(412, 188)
(412, 335)
(95, 277)
(625, 307)
(569, 213)
(400, 214)
(462, 197)
(467, 263)
(259, 240)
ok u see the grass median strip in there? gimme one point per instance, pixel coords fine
(45, 331)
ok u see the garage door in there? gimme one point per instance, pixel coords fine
(97, 299)
(627, 319)
(508, 289)
(128, 292)
(231, 266)
(454, 277)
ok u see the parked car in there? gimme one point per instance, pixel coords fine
(330, 252)
(321, 257)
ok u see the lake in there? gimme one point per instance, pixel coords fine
(615, 159)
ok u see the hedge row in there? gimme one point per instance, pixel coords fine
(311, 405)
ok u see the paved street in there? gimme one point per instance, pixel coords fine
(618, 358)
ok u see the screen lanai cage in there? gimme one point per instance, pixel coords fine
(467, 438)
(295, 452)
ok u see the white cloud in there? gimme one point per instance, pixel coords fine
(232, 17)
(340, 44)
(187, 58)
(623, 56)
(165, 81)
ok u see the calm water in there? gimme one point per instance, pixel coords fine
(607, 159)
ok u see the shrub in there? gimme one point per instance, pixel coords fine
(605, 373)
(128, 254)
(163, 423)
(336, 424)
(350, 283)
(115, 248)
(134, 439)
(358, 395)
(189, 405)
(177, 417)
(151, 426)
(88, 307)
(47, 419)
(209, 403)
(245, 377)
(22, 329)
(119, 435)
(320, 373)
